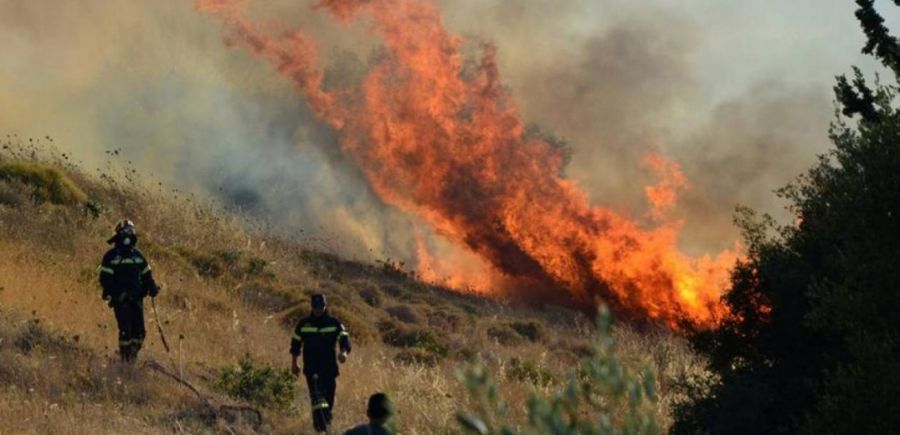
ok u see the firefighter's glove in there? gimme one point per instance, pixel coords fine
(153, 291)
(109, 301)
(342, 357)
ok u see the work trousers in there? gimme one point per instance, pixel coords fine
(130, 319)
(321, 396)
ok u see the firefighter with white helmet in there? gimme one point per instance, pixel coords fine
(126, 278)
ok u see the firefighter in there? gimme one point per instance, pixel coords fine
(317, 335)
(379, 411)
(126, 279)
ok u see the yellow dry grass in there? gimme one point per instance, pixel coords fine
(73, 383)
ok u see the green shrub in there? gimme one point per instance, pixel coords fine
(418, 356)
(360, 329)
(256, 266)
(504, 335)
(216, 264)
(522, 370)
(604, 397)
(266, 296)
(260, 385)
(399, 335)
(812, 345)
(48, 184)
(444, 318)
(531, 330)
(11, 195)
(371, 296)
(405, 314)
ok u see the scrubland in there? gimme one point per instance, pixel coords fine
(231, 292)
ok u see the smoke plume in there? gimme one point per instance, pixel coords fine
(606, 83)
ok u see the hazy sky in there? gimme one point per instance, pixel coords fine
(738, 92)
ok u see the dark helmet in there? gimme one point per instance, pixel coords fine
(318, 301)
(126, 233)
(380, 407)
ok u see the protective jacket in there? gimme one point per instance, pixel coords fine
(317, 337)
(126, 275)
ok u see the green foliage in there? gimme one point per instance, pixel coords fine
(504, 335)
(405, 314)
(359, 327)
(47, 184)
(261, 385)
(523, 370)
(530, 330)
(225, 263)
(256, 266)
(602, 398)
(814, 344)
(266, 296)
(424, 339)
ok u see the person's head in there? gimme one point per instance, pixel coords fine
(319, 304)
(380, 408)
(126, 234)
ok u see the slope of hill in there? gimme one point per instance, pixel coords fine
(232, 291)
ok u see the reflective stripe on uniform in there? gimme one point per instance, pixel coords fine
(132, 341)
(146, 270)
(296, 337)
(325, 330)
(344, 334)
(104, 269)
(129, 260)
(320, 405)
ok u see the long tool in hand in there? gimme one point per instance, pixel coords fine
(158, 325)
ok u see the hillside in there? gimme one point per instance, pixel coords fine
(231, 290)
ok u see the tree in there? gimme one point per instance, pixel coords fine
(814, 344)
(603, 397)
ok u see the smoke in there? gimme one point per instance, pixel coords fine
(154, 80)
(617, 81)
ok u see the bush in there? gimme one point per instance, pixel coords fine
(256, 266)
(48, 184)
(405, 314)
(444, 318)
(225, 263)
(522, 370)
(371, 296)
(360, 329)
(266, 297)
(410, 337)
(11, 195)
(602, 398)
(812, 346)
(531, 330)
(504, 335)
(260, 385)
(418, 356)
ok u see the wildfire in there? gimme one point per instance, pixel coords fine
(452, 148)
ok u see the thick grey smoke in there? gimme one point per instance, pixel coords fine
(738, 94)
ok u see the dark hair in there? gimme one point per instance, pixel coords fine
(380, 407)
(318, 301)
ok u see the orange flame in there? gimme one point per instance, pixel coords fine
(664, 195)
(451, 148)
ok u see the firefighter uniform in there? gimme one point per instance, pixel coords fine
(126, 278)
(317, 337)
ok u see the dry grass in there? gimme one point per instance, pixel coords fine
(230, 290)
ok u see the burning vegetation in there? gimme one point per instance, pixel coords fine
(443, 140)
